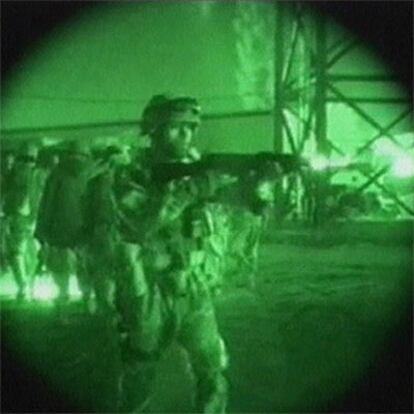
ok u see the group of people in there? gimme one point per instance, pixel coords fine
(43, 213)
(150, 252)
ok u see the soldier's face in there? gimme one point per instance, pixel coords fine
(178, 138)
(123, 158)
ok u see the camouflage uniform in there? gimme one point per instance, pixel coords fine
(216, 244)
(20, 213)
(102, 239)
(163, 289)
(162, 292)
(60, 223)
(244, 237)
(171, 244)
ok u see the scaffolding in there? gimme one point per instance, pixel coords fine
(305, 85)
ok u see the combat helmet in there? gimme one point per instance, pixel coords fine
(27, 152)
(75, 147)
(165, 108)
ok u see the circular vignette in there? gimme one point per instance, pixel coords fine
(386, 27)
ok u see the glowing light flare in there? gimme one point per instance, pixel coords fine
(320, 162)
(403, 167)
(402, 164)
(74, 289)
(386, 148)
(265, 191)
(44, 289)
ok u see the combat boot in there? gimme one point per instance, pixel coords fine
(212, 394)
(135, 388)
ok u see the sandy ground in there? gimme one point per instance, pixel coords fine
(310, 331)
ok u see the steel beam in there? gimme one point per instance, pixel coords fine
(307, 126)
(342, 77)
(360, 99)
(396, 121)
(341, 53)
(278, 76)
(360, 112)
(289, 134)
(291, 53)
(321, 86)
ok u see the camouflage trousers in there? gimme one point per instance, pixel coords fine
(152, 317)
(242, 260)
(20, 249)
(64, 262)
(103, 262)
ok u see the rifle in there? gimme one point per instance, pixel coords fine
(265, 164)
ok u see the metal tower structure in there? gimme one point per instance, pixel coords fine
(305, 54)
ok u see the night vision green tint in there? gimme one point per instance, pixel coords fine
(313, 289)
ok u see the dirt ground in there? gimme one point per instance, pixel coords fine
(311, 333)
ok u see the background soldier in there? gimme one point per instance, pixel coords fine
(46, 161)
(100, 209)
(6, 167)
(247, 221)
(19, 211)
(60, 224)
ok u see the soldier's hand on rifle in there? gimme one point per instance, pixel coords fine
(265, 190)
(270, 170)
(212, 181)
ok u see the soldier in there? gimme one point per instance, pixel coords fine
(246, 226)
(60, 223)
(20, 216)
(46, 161)
(164, 274)
(100, 227)
(6, 168)
(160, 294)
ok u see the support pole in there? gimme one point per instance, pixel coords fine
(321, 87)
(321, 183)
(279, 101)
(278, 77)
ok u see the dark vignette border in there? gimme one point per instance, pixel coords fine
(384, 25)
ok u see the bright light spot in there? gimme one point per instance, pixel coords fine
(74, 290)
(403, 167)
(402, 164)
(265, 191)
(320, 162)
(340, 162)
(385, 147)
(7, 286)
(44, 289)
